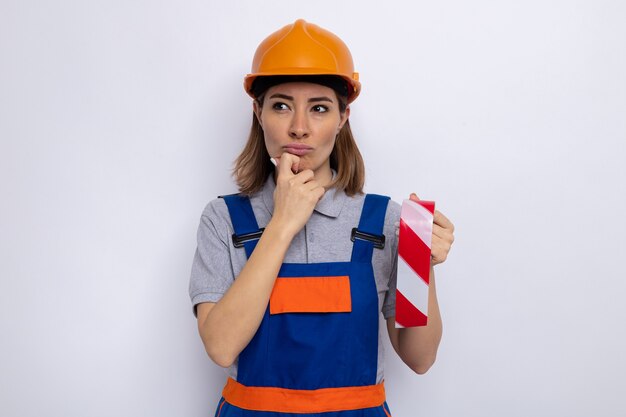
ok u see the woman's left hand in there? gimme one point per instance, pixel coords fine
(442, 238)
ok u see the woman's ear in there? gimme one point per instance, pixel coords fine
(256, 108)
(344, 118)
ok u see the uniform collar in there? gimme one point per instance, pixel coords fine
(330, 205)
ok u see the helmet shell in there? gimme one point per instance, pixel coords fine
(303, 48)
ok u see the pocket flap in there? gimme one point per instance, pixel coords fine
(311, 295)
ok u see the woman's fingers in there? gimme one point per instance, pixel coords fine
(295, 195)
(290, 160)
(439, 252)
(443, 221)
(443, 233)
(304, 177)
(313, 185)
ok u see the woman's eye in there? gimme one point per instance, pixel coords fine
(280, 106)
(320, 109)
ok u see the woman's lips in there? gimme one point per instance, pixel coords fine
(297, 149)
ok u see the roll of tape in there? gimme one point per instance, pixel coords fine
(414, 248)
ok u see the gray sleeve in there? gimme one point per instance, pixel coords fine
(211, 272)
(389, 304)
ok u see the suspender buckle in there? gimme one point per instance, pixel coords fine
(239, 240)
(377, 240)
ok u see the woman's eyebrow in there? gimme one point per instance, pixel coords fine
(311, 100)
(283, 96)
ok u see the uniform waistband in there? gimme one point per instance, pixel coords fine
(284, 400)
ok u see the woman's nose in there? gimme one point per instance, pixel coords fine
(299, 128)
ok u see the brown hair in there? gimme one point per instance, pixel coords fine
(253, 166)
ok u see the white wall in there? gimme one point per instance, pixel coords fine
(119, 120)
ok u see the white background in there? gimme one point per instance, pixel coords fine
(119, 121)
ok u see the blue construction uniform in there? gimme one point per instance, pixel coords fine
(303, 362)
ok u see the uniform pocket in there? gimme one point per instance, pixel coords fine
(330, 294)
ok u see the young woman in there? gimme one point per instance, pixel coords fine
(290, 275)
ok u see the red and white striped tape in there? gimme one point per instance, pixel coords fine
(414, 246)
